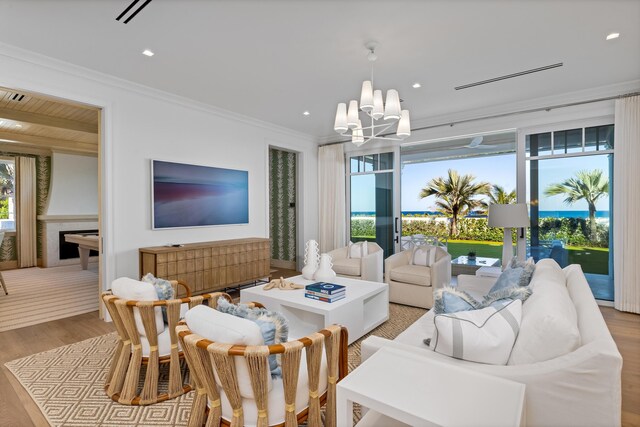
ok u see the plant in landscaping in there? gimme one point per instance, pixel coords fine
(589, 186)
(455, 196)
(499, 195)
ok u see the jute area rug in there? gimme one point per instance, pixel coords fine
(67, 383)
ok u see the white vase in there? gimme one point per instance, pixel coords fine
(311, 259)
(325, 272)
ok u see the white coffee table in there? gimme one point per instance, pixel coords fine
(403, 388)
(365, 306)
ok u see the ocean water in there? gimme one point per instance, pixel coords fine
(542, 214)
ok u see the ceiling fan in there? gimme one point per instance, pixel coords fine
(477, 143)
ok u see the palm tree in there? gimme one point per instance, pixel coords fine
(589, 186)
(7, 179)
(498, 195)
(455, 195)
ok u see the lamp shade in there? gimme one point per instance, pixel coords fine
(378, 105)
(513, 215)
(366, 96)
(340, 125)
(352, 114)
(404, 125)
(392, 106)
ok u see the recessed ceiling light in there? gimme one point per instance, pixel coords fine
(306, 113)
(147, 52)
(613, 36)
(416, 85)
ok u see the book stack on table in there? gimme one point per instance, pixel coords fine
(325, 292)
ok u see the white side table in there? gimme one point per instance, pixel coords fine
(420, 391)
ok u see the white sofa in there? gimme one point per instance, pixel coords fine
(368, 267)
(579, 388)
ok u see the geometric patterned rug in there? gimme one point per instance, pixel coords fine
(67, 382)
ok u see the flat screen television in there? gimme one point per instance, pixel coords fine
(197, 196)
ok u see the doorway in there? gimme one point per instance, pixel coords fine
(49, 149)
(283, 221)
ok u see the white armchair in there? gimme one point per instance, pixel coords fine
(368, 267)
(414, 284)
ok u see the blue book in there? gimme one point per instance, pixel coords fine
(320, 294)
(325, 288)
(328, 299)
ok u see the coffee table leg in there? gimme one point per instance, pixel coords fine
(344, 408)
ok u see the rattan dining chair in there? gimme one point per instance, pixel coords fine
(308, 380)
(140, 343)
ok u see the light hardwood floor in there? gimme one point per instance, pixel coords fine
(18, 410)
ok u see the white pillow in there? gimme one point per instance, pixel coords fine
(549, 320)
(358, 250)
(423, 255)
(484, 336)
(228, 329)
(136, 290)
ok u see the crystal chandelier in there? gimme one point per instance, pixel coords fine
(348, 121)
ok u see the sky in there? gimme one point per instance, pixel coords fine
(493, 169)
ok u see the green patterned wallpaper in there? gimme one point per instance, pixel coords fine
(282, 216)
(8, 250)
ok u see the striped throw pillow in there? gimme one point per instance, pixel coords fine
(484, 336)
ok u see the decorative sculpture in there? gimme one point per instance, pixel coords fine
(325, 272)
(283, 285)
(311, 259)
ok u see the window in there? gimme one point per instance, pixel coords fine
(447, 186)
(568, 174)
(7, 194)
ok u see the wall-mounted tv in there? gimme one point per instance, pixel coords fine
(197, 196)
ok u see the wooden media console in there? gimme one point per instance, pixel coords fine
(209, 266)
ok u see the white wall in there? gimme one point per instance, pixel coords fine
(140, 124)
(74, 185)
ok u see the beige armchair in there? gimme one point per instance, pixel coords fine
(369, 267)
(414, 284)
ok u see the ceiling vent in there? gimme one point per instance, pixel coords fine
(17, 97)
(135, 12)
(510, 76)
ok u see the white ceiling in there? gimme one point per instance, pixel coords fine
(272, 60)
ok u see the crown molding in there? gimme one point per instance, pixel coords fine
(34, 58)
(542, 102)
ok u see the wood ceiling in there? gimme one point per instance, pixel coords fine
(37, 124)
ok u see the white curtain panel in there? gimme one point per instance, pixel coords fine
(26, 225)
(331, 191)
(626, 202)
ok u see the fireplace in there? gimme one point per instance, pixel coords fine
(55, 251)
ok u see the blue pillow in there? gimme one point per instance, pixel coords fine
(507, 294)
(164, 290)
(509, 278)
(529, 267)
(451, 300)
(274, 327)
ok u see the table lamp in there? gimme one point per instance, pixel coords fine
(508, 216)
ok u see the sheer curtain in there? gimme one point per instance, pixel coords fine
(626, 200)
(26, 210)
(331, 189)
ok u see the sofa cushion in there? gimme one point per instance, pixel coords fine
(485, 336)
(549, 320)
(413, 274)
(358, 250)
(347, 266)
(423, 255)
(130, 289)
(508, 279)
(225, 328)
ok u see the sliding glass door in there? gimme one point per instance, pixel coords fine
(569, 190)
(372, 200)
